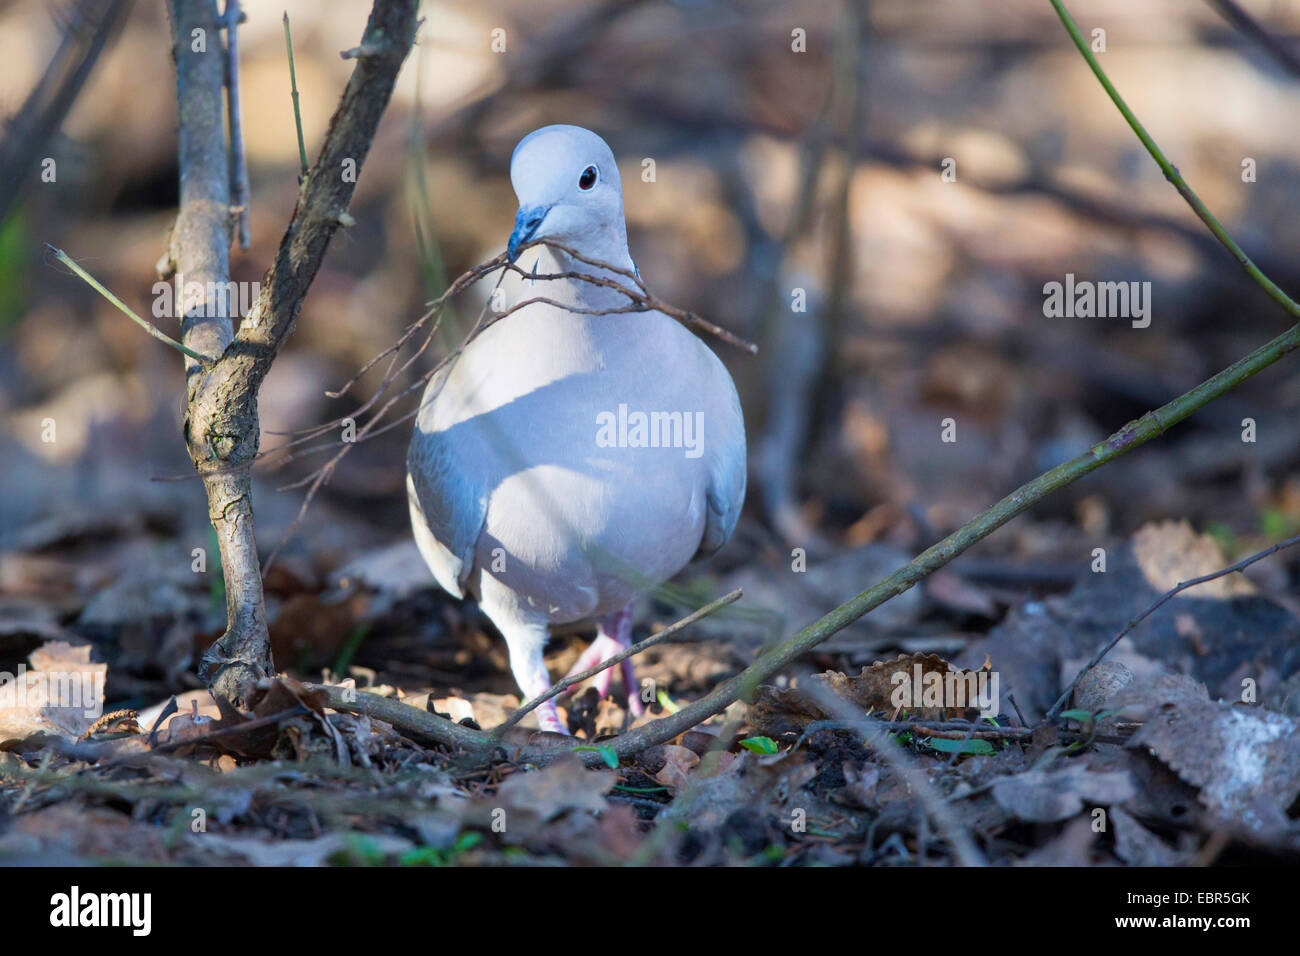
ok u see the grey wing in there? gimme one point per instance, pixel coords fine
(727, 471)
(448, 510)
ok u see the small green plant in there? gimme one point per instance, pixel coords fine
(433, 856)
(973, 746)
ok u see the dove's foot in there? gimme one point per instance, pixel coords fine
(613, 634)
(548, 718)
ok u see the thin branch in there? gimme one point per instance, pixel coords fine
(685, 316)
(297, 113)
(1123, 441)
(1171, 172)
(149, 327)
(239, 192)
(1155, 606)
(560, 687)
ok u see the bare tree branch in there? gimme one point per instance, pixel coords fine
(238, 162)
(221, 422)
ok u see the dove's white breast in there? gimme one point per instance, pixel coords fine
(524, 504)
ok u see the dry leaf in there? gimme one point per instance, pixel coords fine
(775, 712)
(1046, 796)
(564, 785)
(61, 694)
(1244, 759)
(678, 764)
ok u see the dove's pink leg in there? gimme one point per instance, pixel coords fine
(599, 649)
(617, 629)
(613, 634)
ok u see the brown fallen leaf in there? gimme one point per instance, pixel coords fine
(61, 694)
(775, 712)
(564, 785)
(678, 764)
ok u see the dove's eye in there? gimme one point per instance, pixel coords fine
(588, 177)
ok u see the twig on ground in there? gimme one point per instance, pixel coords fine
(423, 726)
(563, 685)
(1155, 606)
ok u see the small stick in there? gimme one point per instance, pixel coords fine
(1159, 602)
(563, 685)
(297, 114)
(1019, 716)
(648, 300)
(149, 327)
(931, 728)
(238, 165)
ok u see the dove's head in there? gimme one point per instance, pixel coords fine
(569, 191)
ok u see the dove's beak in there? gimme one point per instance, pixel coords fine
(527, 220)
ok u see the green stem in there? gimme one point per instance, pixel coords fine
(1171, 172)
(147, 326)
(297, 114)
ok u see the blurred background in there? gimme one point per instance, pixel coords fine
(771, 153)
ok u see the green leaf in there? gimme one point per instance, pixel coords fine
(972, 746)
(1077, 714)
(760, 745)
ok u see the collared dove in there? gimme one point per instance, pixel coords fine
(573, 457)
